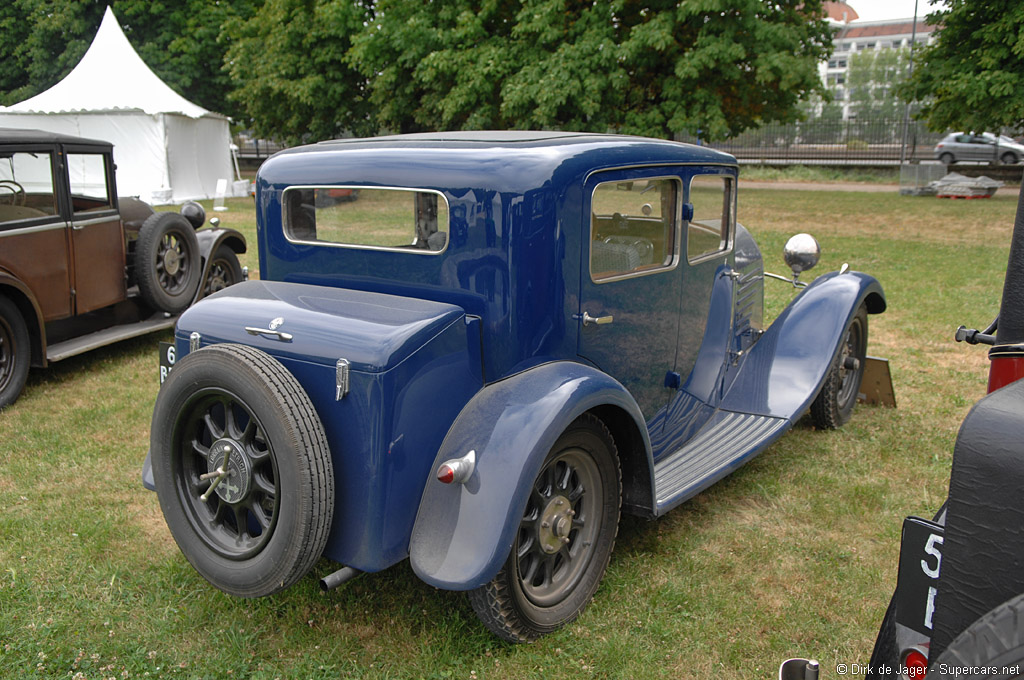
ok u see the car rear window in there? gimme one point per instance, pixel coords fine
(406, 220)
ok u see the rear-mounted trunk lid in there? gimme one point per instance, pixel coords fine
(373, 331)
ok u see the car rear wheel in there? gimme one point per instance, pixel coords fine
(14, 352)
(947, 159)
(167, 262)
(988, 647)
(242, 469)
(224, 270)
(564, 541)
(834, 404)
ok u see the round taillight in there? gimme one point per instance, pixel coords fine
(916, 665)
(446, 474)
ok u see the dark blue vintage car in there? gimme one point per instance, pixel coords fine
(470, 350)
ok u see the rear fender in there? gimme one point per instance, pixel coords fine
(463, 532)
(25, 301)
(783, 372)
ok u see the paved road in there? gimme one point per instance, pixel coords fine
(1009, 190)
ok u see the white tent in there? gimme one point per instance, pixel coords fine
(166, 148)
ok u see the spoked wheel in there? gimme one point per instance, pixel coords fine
(227, 479)
(834, 404)
(564, 541)
(167, 262)
(242, 469)
(14, 352)
(224, 270)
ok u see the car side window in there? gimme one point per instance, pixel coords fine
(26, 186)
(87, 175)
(709, 231)
(633, 227)
(406, 220)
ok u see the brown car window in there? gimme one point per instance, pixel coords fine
(87, 174)
(26, 186)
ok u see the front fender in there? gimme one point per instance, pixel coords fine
(784, 371)
(463, 532)
(211, 239)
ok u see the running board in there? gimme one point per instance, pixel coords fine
(107, 336)
(727, 441)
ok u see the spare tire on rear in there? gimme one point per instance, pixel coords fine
(167, 262)
(242, 469)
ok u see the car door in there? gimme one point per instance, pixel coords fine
(33, 232)
(631, 279)
(97, 237)
(981, 148)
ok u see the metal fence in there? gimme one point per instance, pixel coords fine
(878, 141)
(255, 149)
(858, 141)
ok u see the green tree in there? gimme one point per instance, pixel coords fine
(874, 79)
(652, 68)
(972, 76)
(289, 68)
(42, 40)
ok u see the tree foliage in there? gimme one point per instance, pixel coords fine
(292, 79)
(874, 79)
(972, 76)
(303, 70)
(650, 68)
(42, 40)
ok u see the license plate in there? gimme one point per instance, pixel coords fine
(918, 580)
(168, 355)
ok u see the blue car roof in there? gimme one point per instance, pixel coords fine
(504, 161)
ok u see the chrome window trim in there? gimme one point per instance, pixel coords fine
(676, 229)
(20, 231)
(105, 219)
(356, 246)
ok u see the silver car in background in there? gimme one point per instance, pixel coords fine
(985, 147)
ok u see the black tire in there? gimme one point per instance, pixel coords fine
(947, 159)
(1008, 158)
(885, 657)
(224, 270)
(167, 262)
(988, 646)
(833, 406)
(280, 481)
(564, 542)
(15, 353)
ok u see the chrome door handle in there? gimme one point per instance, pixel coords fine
(599, 320)
(280, 335)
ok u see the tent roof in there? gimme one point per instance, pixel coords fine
(110, 77)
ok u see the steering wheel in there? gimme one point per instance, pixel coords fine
(18, 195)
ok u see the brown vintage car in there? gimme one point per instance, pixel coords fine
(80, 267)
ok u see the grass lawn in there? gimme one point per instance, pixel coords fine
(795, 554)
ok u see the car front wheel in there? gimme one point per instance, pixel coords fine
(224, 270)
(242, 469)
(834, 404)
(1008, 158)
(564, 541)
